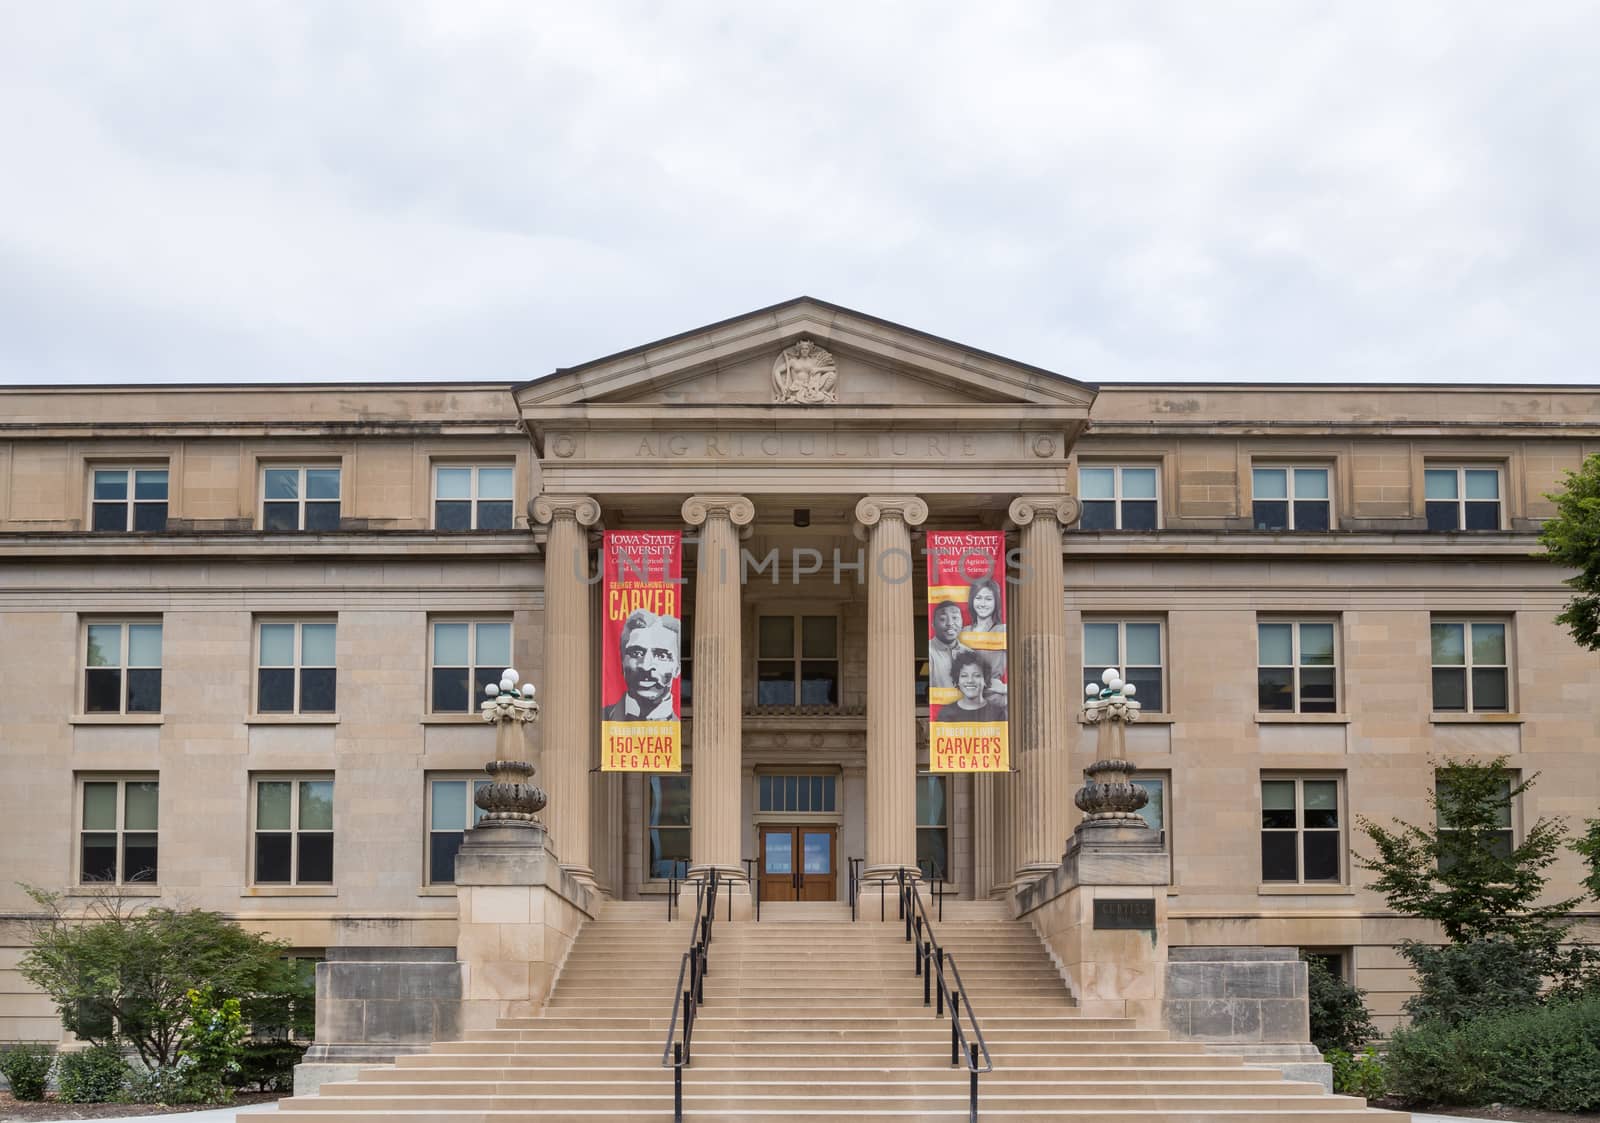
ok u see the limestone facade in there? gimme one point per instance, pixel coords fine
(954, 436)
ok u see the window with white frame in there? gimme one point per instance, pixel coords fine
(473, 497)
(300, 497)
(117, 830)
(129, 499)
(292, 836)
(1135, 648)
(467, 655)
(296, 672)
(1462, 497)
(1290, 497)
(1301, 832)
(1296, 669)
(1118, 496)
(1471, 672)
(122, 667)
(451, 810)
(933, 827)
(797, 661)
(667, 824)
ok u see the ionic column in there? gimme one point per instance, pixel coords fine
(715, 838)
(568, 663)
(1040, 685)
(891, 693)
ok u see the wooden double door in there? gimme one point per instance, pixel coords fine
(799, 863)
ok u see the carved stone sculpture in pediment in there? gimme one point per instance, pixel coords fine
(804, 374)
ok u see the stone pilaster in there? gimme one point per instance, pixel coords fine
(1040, 685)
(714, 783)
(891, 696)
(569, 718)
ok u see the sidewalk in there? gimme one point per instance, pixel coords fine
(219, 1115)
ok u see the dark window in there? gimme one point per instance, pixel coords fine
(1134, 648)
(1291, 498)
(797, 661)
(1301, 839)
(668, 825)
(118, 831)
(294, 832)
(295, 670)
(1295, 672)
(300, 499)
(1118, 498)
(468, 498)
(1462, 498)
(450, 811)
(122, 672)
(1470, 671)
(933, 828)
(129, 499)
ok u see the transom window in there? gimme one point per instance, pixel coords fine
(117, 836)
(295, 670)
(130, 499)
(797, 661)
(300, 498)
(1290, 498)
(467, 656)
(451, 811)
(668, 824)
(472, 498)
(1470, 671)
(1461, 497)
(122, 667)
(294, 831)
(1300, 831)
(796, 793)
(1134, 648)
(933, 827)
(1296, 672)
(1118, 497)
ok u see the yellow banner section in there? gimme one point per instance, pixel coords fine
(957, 593)
(984, 641)
(639, 746)
(969, 746)
(940, 695)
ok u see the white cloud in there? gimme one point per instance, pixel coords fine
(457, 190)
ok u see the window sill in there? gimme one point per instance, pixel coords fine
(452, 719)
(115, 719)
(1475, 719)
(288, 891)
(292, 719)
(1302, 719)
(109, 890)
(1288, 890)
(436, 891)
(1143, 719)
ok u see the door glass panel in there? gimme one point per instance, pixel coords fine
(818, 853)
(779, 847)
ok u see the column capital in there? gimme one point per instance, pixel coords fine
(910, 509)
(582, 509)
(697, 509)
(1065, 509)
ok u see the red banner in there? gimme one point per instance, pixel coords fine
(643, 652)
(967, 708)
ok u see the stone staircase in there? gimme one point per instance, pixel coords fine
(810, 1017)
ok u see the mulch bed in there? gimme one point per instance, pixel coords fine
(13, 1111)
(1496, 1111)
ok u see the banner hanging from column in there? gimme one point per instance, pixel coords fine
(967, 652)
(642, 652)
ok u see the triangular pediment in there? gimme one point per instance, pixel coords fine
(874, 364)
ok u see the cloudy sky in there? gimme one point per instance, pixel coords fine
(321, 191)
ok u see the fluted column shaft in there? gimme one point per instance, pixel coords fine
(716, 778)
(1040, 686)
(569, 721)
(891, 693)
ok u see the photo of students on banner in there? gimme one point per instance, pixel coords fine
(967, 696)
(643, 652)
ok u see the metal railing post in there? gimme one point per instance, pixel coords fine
(972, 1114)
(938, 1010)
(677, 1082)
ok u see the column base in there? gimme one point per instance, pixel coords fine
(890, 873)
(734, 900)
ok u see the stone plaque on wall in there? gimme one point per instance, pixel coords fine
(1137, 913)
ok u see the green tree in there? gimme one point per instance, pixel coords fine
(122, 972)
(1588, 847)
(1572, 539)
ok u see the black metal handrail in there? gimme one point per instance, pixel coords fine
(855, 886)
(687, 1000)
(674, 879)
(931, 961)
(755, 888)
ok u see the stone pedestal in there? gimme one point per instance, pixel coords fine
(519, 913)
(1107, 876)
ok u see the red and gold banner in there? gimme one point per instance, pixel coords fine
(967, 652)
(643, 652)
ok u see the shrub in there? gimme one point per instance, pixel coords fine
(26, 1068)
(1459, 982)
(1339, 1018)
(1361, 1074)
(96, 1075)
(268, 1066)
(212, 1042)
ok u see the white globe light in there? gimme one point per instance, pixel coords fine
(527, 690)
(1090, 689)
(1129, 690)
(509, 677)
(1110, 673)
(491, 690)
(1115, 685)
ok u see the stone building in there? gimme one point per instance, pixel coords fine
(243, 628)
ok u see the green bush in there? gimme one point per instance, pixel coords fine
(96, 1075)
(1459, 982)
(1545, 1057)
(26, 1067)
(268, 1066)
(213, 1042)
(1360, 1074)
(1339, 1018)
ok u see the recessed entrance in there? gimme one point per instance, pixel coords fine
(797, 863)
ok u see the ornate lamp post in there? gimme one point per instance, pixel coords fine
(510, 799)
(1108, 798)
